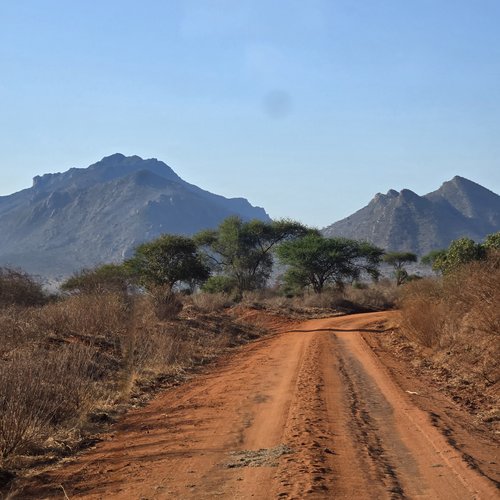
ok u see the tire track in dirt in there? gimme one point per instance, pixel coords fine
(308, 470)
(368, 407)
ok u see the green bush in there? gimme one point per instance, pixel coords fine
(219, 284)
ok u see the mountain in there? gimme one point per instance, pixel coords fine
(405, 221)
(86, 216)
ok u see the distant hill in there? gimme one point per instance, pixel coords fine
(408, 222)
(86, 216)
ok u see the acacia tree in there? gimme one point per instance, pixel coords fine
(168, 261)
(398, 260)
(242, 251)
(316, 261)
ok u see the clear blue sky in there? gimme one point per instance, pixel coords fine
(307, 108)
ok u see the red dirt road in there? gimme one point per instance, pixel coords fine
(311, 413)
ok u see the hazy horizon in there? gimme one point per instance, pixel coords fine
(306, 109)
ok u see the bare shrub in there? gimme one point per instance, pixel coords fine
(329, 299)
(378, 296)
(280, 302)
(210, 302)
(108, 278)
(358, 298)
(57, 362)
(423, 318)
(154, 349)
(459, 316)
(17, 327)
(475, 288)
(19, 288)
(257, 298)
(166, 303)
(90, 316)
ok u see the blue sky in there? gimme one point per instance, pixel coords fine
(307, 108)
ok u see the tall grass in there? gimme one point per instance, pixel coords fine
(42, 389)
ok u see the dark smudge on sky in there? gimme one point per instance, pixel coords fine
(277, 103)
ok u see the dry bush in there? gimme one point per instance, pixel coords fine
(269, 298)
(472, 297)
(258, 298)
(167, 304)
(424, 313)
(475, 289)
(326, 300)
(155, 344)
(378, 296)
(19, 288)
(18, 326)
(210, 302)
(93, 317)
(458, 318)
(280, 302)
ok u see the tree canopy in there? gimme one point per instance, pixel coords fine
(316, 261)
(168, 261)
(242, 251)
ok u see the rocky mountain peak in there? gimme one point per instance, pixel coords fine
(111, 167)
(87, 216)
(467, 197)
(405, 221)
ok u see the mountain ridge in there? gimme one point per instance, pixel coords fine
(406, 221)
(87, 216)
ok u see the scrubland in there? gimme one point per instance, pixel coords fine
(70, 365)
(450, 330)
